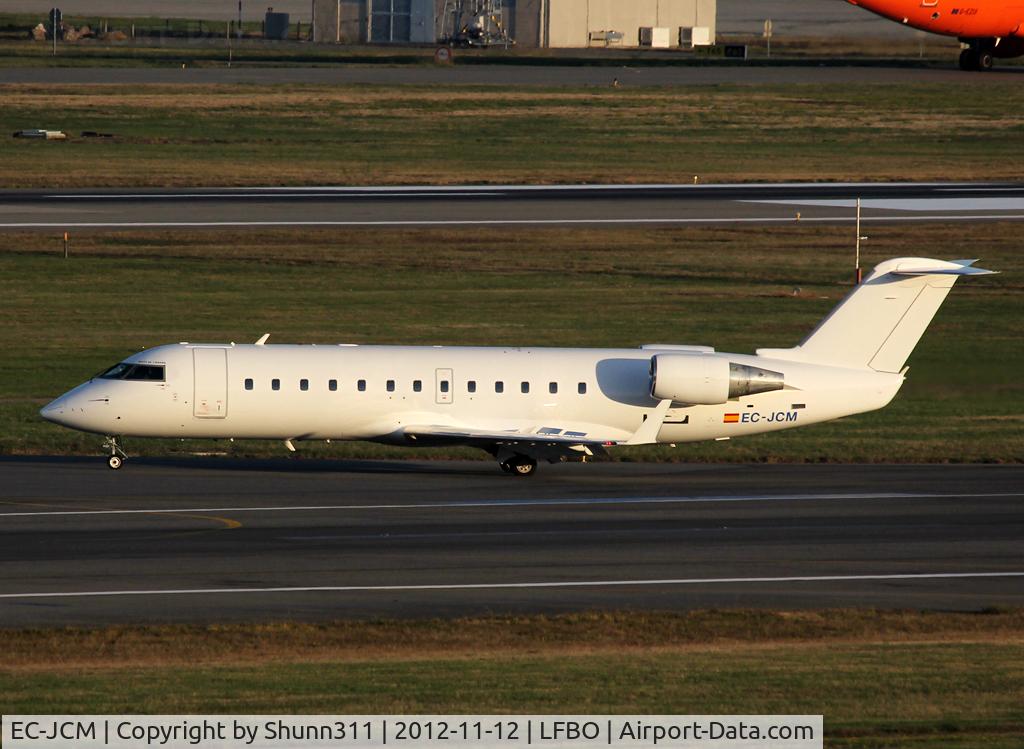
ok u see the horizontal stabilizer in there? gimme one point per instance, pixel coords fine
(950, 268)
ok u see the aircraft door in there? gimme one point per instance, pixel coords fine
(444, 386)
(210, 369)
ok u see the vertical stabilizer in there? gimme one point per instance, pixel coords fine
(878, 324)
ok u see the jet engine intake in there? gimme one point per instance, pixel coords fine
(708, 380)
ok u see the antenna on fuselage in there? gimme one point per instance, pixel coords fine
(263, 339)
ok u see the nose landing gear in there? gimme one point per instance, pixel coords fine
(117, 454)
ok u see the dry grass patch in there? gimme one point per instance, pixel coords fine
(507, 636)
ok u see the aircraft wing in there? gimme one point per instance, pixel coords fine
(546, 442)
(550, 443)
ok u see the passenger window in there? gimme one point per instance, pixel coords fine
(524, 387)
(361, 386)
(275, 384)
(332, 385)
(303, 384)
(444, 386)
(248, 383)
(471, 386)
(391, 386)
(499, 387)
(417, 386)
(552, 387)
(582, 388)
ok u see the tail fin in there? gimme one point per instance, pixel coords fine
(878, 324)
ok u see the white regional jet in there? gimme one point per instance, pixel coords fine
(521, 405)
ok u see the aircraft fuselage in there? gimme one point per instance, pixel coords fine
(991, 28)
(594, 394)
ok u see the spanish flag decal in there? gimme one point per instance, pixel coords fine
(731, 418)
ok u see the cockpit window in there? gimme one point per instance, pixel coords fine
(116, 372)
(129, 371)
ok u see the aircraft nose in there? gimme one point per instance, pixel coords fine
(84, 408)
(75, 409)
(54, 410)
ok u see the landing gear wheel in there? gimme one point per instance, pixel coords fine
(522, 466)
(976, 58)
(505, 467)
(117, 453)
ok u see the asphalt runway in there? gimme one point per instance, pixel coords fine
(205, 539)
(595, 205)
(822, 72)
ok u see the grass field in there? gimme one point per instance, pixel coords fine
(879, 678)
(736, 289)
(312, 134)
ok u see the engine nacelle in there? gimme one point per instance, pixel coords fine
(707, 380)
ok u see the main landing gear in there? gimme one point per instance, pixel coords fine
(976, 57)
(117, 454)
(519, 465)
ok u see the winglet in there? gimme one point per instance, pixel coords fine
(647, 434)
(263, 339)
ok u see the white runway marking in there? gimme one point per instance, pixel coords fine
(845, 219)
(980, 189)
(507, 586)
(627, 186)
(266, 196)
(612, 186)
(499, 503)
(909, 204)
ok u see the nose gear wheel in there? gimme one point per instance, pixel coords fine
(117, 454)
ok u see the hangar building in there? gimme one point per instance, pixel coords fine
(530, 23)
